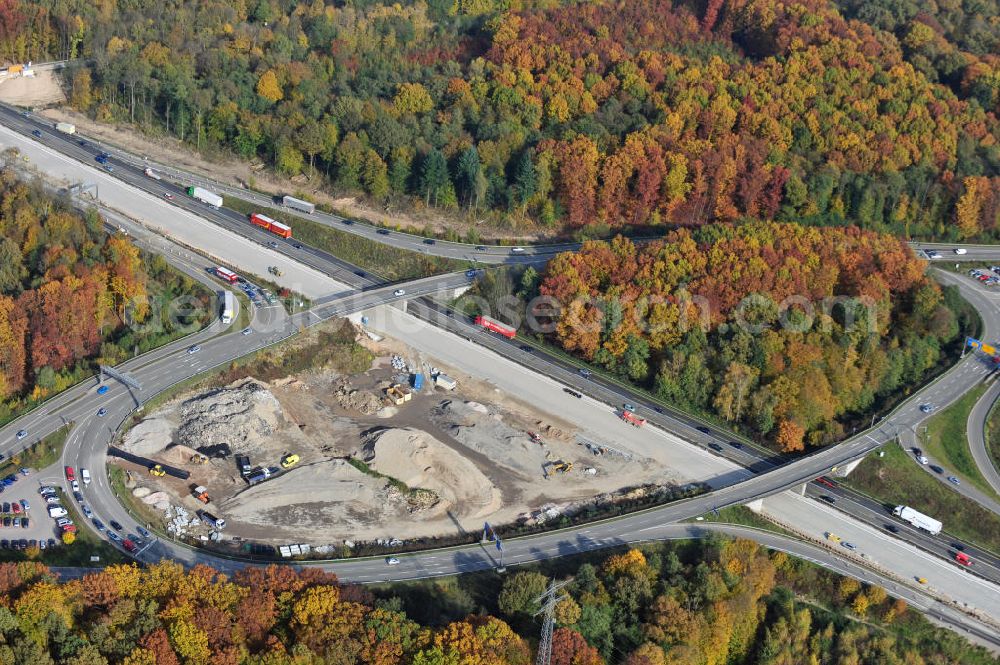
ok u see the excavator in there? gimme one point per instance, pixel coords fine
(558, 465)
(157, 470)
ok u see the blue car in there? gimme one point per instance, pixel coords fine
(102, 389)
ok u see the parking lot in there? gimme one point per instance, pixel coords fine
(20, 503)
(987, 276)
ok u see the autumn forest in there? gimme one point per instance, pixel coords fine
(705, 602)
(590, 116)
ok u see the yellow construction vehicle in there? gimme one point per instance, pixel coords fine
(289, 460)
(198, 458)
(157, 470)
(558, 465)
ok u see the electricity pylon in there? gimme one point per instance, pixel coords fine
(548, 601)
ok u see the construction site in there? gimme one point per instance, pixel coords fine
(404, 450)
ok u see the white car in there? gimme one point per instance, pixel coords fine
(960, 251)
(399, 292)
(933, 254)
(517, 250)
(21, 434)
(57, 511)
(52, 500)
(923, 459)
(75, 485)
(392, 561)
(247, 331)
(194, 349)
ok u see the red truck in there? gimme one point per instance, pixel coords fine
(632, 419)
(275, 227)
(496, 326)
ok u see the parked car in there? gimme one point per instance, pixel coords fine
(25, 504)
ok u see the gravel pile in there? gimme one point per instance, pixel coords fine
(242, 415)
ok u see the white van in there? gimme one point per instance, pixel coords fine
(57, 511)
(960, 251)
(85, 476)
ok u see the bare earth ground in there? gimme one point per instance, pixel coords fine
(462, 457)
(231, 171)
(42, 89)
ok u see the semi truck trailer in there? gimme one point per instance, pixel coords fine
(298, 204)
(918, 519)
(205, 196)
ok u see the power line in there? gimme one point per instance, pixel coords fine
(548, 601)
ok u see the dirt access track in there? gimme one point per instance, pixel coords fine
(439, 464)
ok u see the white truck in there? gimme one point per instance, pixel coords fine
(228, 307)
(150, 173)
(205, 196)
(85, 476)
(298, 204)
(918, 519)
(66, 128)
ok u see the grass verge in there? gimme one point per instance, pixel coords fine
(143, 513)
(39, 454)
(743, 516)
(993, 435)
(895, 480)
(945, 438)
(392, 263)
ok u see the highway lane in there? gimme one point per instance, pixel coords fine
(25, 123)
(184, 220)
(976, 428)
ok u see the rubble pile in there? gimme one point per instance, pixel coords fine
(242, 415)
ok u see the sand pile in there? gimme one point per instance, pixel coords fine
(421, 461)
(356, 400)
(489, 435)
(149, 437)
(331, 491)
(242, 415)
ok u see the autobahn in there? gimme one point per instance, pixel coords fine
(130, 168)
(791, 475)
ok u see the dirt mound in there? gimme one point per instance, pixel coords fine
(329, 492)
(357, 400)
(489, 435)
(242, 415)
(149, 437)
(421, 461)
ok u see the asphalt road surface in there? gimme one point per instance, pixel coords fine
(129, 167)
(192, 365)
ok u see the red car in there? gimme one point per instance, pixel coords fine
(963, 558)
(70, 475)
(69, 528)
(823, 481)
(129, 545)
